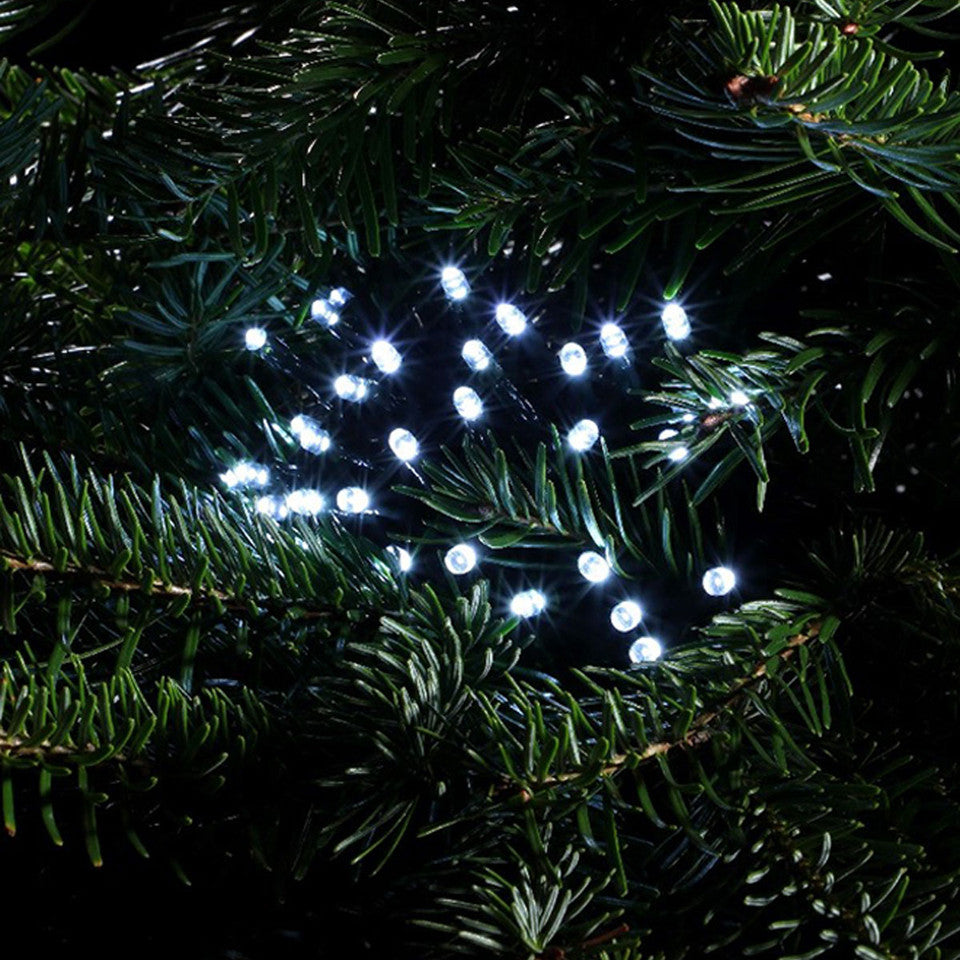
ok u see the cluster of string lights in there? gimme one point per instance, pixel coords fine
(626, 616)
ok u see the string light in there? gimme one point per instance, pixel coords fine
(271, 507)
(511, 319)
(676, 324)
(304, 502)
(613, 341)
(667, 434)
(573, 359)
(386, 356)
(460, 559)
(688, 418)
(246, 474)
(593, 567)
(454, 283)
(626, 615)
(476, 355)
(255, 338)
(583, 435)
(339, 296)
(353, 500)
(313, 438)
(322, 310)
(719, 581)
(645, 650)
(739, 399)
(678, 453)
(528, 603)
(349, 387)
(467, 402)
(403, 443)
(403, 558)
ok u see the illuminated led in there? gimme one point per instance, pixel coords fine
(676, 324)
(688, 418)
(349, 387)
(353, 500)
(255, 338)
(313, 438)
(719, 581)
(645, 650)
(403, 558)
(573, 359)
(626, 615)
(339, 296)
(467, 402)
(322, 310)
(403, 443)
(460, 559)
(583, 435)
(511, 319)
(593, 567)
(739, 399)
(528, 603)
(613, 341)
(476, 355)
(305, 502)
(386, 356)
(245, 474)
(271, 507)
(667, 434)
(678, 453)
(454, 283)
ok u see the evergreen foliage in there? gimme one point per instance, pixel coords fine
(342, 757)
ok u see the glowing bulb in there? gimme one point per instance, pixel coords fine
(583, 435)
(477, 356)
(349, 387)
(403, 557)
(353, 500)
(511, 319)
(339, 296)
(454, 283)
(573, 359)
(313, 438)
(246, 474)
(678, 453)
(593, 567)
(644, 650)
(719, 581)
(688, 418)
(322, 310)
(626, 615)
(714, 403)
(528, 603)
(271, 507)
(739, 399)
(467, 402)
(613, 340)
(255, 338)
(460, 559)
(386, 356)
(305, 502)
(667, 434)
(403, 443)
(676, 324)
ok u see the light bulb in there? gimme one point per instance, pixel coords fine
(678, 453)
(714, 403)
(454, 283)
(511, 319)
(467, 402)
(339, 296)
(688, 418)
(676, 324)
(573, 359)
(255, 338)
(477, 356)
(313, 438)
(246, 474)
(353, 500)
(593, 567)
(645, 650)
(460, 559)
(667, 434)
(613, 341)
(583, 435)
(349, 387)
(305, 502)
(271, 507)
(739, 399)
(626, 615)
(386, 356)
(403, 557)
(719, 581)
(323, 311)
(403, 443)
(528, 603)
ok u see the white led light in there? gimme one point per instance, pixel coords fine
(305, 502)
(460, 559)
(528, 603)
(667, 434)
(403, 443)
(626, 615)
(353, 500)
(739, 399)
(271, 507)
(454, 283)
(323, 311)
(688, 418)
(339, 296)
(583, 435)
(678, 453)
(476, 354)
(386, 356)
(403, 558)
(714, 403)
(613, 340)
(593, 567)
(313, 438)
(246, 474)
(719, 581)
(349, 387)
(676, 324)
(511, 319)
(573, 359)
(255, 338)
(467, 402)
(645, 650)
